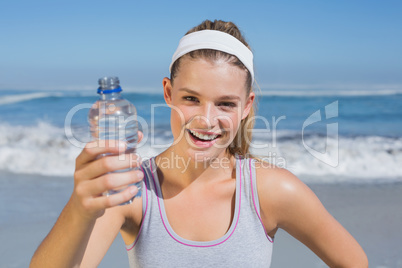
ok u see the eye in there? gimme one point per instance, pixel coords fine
(190, 98)
(228, 104)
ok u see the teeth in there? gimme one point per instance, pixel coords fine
(202, 136)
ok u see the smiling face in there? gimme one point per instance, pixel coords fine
(208, 101)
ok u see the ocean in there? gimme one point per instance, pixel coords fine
(323, 137)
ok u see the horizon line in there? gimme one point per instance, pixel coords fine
(274, 88)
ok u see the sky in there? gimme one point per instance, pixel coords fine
(297, 45)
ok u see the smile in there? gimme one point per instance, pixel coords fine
(203, 136)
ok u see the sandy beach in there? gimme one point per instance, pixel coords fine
(30, 204)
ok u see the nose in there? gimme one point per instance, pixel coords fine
(208, 116)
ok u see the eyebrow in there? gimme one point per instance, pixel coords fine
(189, 91)
(225, 97)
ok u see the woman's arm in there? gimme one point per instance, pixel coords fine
(89, 217)
(288, 203)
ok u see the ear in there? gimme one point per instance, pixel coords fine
(167, 90)
(249, 104)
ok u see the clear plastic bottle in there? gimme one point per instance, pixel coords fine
(114, 118)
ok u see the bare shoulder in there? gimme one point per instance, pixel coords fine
(271, 178)
(280, 191)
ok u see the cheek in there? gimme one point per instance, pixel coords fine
(236, 121)
(231, 122)
(175, 122)
(179, 117)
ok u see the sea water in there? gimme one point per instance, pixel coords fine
(42, 132)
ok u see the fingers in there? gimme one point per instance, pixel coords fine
(107, 164)
(95, 148)
(95, 175)
(111, 181)
(140, 136)
(89, 197)
(103, 202)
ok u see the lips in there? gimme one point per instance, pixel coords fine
(203, 138)
(206, 136)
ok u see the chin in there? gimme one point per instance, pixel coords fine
(201, 156)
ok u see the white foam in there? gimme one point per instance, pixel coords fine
(44, 149)
(361, 158)
(40, 149)
(8, 99)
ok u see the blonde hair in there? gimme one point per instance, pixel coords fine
(241, 143)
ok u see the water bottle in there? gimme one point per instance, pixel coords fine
(114, 118)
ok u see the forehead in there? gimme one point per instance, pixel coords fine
(211, 77)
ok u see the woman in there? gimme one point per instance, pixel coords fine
(206, 202)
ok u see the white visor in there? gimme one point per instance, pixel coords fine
(211, 39)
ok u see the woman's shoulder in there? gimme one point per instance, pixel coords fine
(269, 174)
(279, 187)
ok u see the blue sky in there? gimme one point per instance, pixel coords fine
(298, 45)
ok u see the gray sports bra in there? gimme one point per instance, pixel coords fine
(246, 244)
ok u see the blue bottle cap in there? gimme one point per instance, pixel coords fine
(109, 84)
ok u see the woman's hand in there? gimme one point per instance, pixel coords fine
(93, 177)
(87, 204)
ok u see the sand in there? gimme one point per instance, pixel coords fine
(372, 213)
